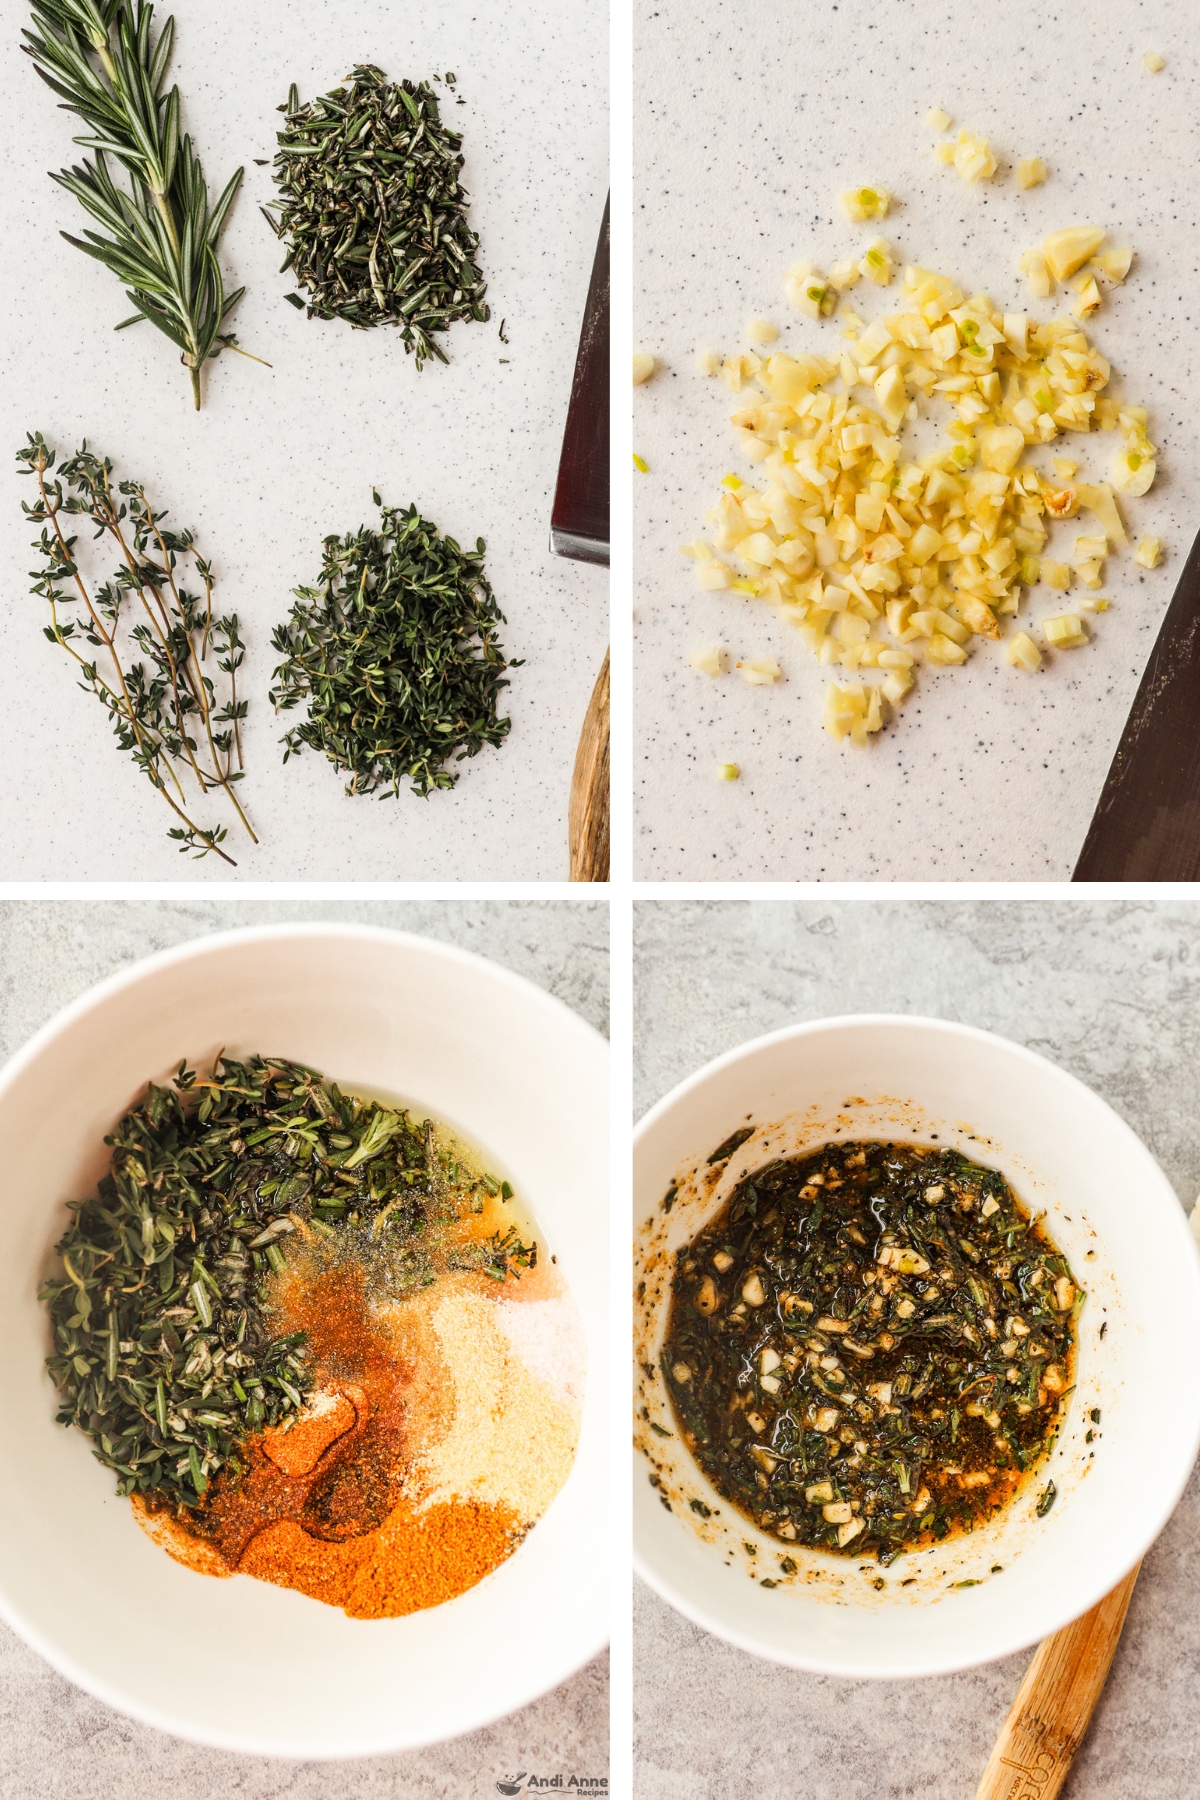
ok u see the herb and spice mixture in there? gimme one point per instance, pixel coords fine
(869, 1348)
(305, 1333)
(373, 211)
(396, 653)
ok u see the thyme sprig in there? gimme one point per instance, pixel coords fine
(162, 233)
(397, 656)
(163, 707)
(373, 212)
(163, 1348)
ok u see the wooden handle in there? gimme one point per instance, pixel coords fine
(1054, 1703)
(587, 815)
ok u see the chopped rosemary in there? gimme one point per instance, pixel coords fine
(373, 212)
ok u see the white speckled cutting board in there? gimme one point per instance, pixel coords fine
(748, 121)
(280, 458)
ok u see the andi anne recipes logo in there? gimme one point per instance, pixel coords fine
(525, 1783)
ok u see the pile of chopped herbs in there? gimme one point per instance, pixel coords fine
(373, 211)
(164, 1353)
(395, 651)
(868, 1348)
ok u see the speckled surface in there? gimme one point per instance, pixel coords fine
(1111, 991)
(58, 1743)
(747, 125)
(280, 458)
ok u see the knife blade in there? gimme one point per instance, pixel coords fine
(1147, 824)
(579, 519)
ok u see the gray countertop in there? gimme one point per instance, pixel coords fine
(1109, 989)
(55, 1740)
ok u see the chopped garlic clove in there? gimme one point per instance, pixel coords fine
(727, 771)
(1065, 631)
(865, 203)
(1114, 264)
(876, 264)
(1149, 552)
(710, 660)
(806, 289)
(707, 362)
(1000, 447)
(643, 368)
(1055, 574)
(972, 157)
(761, 331)
(1089, 299)
(1031, 172)
(1022, 652)
(892, 396)
(1035, 269)
(1153, 61)
(760, 671)
(938, 119)
(1132, 472)
(1066, 251)
(712, 576)
(843, 275)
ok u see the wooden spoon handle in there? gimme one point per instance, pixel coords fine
(1039, 1738)
(587, 814)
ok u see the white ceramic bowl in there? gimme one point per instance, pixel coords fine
(1110, 1209)
(240, 1663)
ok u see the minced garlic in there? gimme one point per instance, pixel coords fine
(864, 203)
(970, 155)
(1153, 61)
(938, 119)
(707, 362)
(1031, 172)
(727, 771)
(882, 559)
(761, 331)
(1148, 552)
(710, 660)
(760, 671)
(643, 367)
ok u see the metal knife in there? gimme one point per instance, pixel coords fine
(579, 529)
(1147, 825)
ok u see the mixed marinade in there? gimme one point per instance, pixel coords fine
(870, 1346)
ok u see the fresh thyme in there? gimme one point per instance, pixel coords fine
(373, 212)
(162, 233)
(163, 707)
(164, 1353)
(395, 652)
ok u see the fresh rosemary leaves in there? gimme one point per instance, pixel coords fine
(162, 233)
(395, 651)
(373, 212)
(163, 707)
(163, 1347)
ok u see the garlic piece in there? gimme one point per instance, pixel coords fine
(761, 331)
(760, 671)
(876, 264)
(938, 119)
(1114, 264)
(1022, 652)
(1153, 61)
(1133, 472)
(865, 203)
(1149, 552)
(1065, 631)
(710, 660)
(972, 157)
(707, 362)
(1033, 267)
(1031, 172)
(1068, 250)
(727, 771)
(643, 367)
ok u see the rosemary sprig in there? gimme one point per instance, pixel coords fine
(166, 715)
(373, 212)
(397, 655)
(162, 233)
